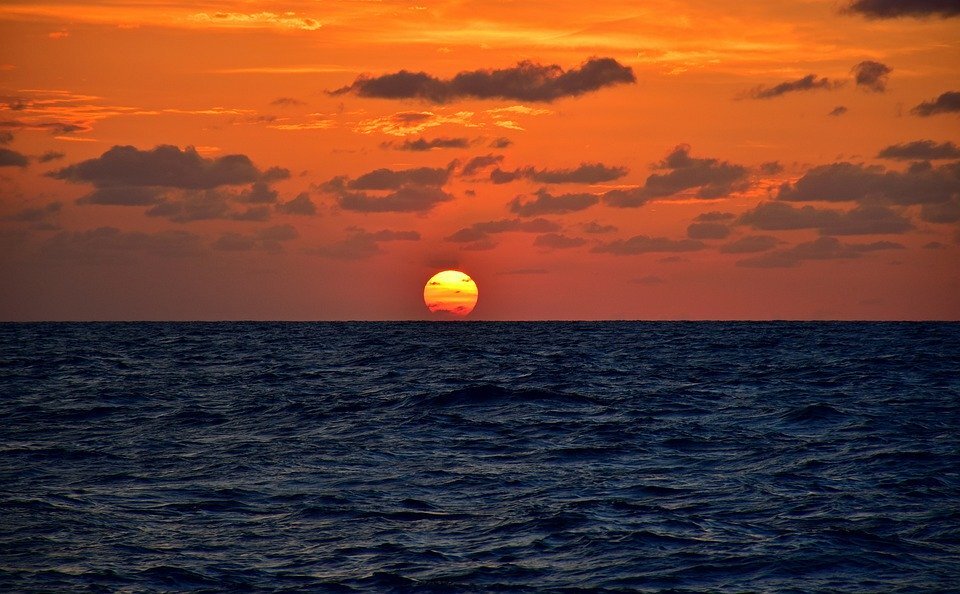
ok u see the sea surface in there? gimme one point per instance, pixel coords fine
(480, 457)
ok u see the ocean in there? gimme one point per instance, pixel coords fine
(480, 457)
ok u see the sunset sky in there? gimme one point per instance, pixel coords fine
(579, 160)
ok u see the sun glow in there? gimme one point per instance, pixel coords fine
(450, 292)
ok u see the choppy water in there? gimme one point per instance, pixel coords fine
(481, 457)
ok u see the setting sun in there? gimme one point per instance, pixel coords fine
(450, 292)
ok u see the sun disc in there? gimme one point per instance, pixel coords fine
(450, 292)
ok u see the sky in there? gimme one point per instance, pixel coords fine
(234, 160)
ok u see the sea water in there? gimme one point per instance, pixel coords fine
(480, 457)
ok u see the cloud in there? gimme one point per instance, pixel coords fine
(408, 199)
(479, 163)
(407, 190)
(822, 248)
(363, 244)
(809, 82)
(256, 20)
(40, 217)
(11, 158)
(891, 9)
(6, 137)
(585, 173)
(838, 111)
(714, 216)
(405, 123)
(192, 206)
(558, 241)
(286, 102)
(750, 244)
(112, 244)
(920, 150)
(596, 228)
(422, 144)
(390, 179)
(770, 168)
(501, 142)
(50, 156)
(948, 102)
(269, 239)
(259, 193)
(711, 177)
(844, 181)
(708, 231)
(641, 244)
(300, 205)
(164, 166)
(527, 81)
(871, 75)
(481, 231)
(862, 220)
(941, 212)
(546, 203)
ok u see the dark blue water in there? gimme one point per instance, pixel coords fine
(480, 457)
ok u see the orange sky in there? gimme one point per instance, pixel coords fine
(603, 160)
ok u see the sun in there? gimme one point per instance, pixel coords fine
(450, 292)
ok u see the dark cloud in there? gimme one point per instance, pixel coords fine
(408, 199)
(708, 231)
(192, 206)
(711, 177)
(934, 245)
(809, 82)
(112, 244)
(422, 144)
(558, 241)
(502, 142)
(641, 244)
(40, 218)
(499, 176)
(948, 102)
(891, 9)
(50, 156)
(254, 213)
(714, 216)
(920, 150)
(862, 220)
(527, 81)
(286, 102)
(871, 75)
(823, 248)
(363, 244)
(164, 166)
(123, 196)
(480, 231)
(596, 228)
(234, 242)
(750, 244)
(770, 168)
(546, 203)
(941, 212)
(259, 193)
(301, 205)
(5, 137)
(479, 163)
(585, 173)
(407, 190)
(11, 158)
(389, 179)
(269, 239)
(844, 181)
(838, 111)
